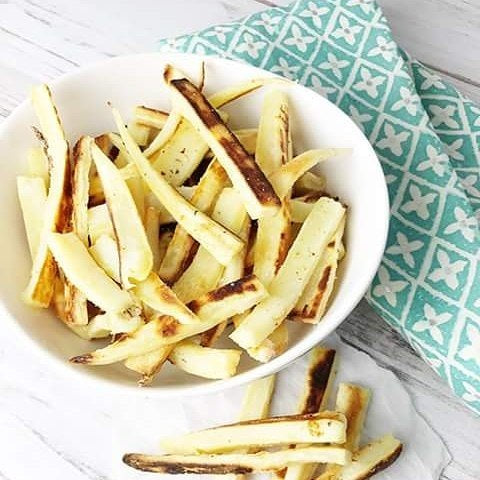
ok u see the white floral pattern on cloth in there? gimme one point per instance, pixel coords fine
(432, 323)
(427, 137)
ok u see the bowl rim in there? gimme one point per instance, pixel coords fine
(260, 370)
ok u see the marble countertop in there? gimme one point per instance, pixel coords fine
(41, 432)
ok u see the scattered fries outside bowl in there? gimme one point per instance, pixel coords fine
(196, 239)
(313, 443)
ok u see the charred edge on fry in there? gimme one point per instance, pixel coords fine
(281, 473)
(309, 310)
(382, 465)
(65, 209)
(159, 466)
(255, 178)
(285, 133)
(283, 250)
(168, 326)
(82, 358)
(312, 197)
(289, 418)
(317, 381)
(244, 284)
(105, 145)
(209, 337)
(354, 406)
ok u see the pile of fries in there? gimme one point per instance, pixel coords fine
(313, 444)
(162, 234)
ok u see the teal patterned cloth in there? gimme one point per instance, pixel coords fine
(427, 137)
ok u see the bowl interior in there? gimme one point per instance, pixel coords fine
(82, 98)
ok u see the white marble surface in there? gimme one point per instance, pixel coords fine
(47, 433)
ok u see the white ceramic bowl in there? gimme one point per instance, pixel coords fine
(128, 81)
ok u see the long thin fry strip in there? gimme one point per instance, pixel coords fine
(205, 362)
(204, 198)
(240, 463)
(271, 246)
(320, 376)
(75, 301)
(216, 239)
(274, 142)
(32, 196)
(150, 117)
(352, 401)
(273, 149)
(204, 272)
(136, 259)
(257, 193)
(293, 275)
(105, 252)
(324, 427)
(213, 308)
(284, 178)
(99, 223)
(308, 183)
(40, 288)
(152, 230)
(154, 293)
(369, 460)
(38, 164)
(313, 302)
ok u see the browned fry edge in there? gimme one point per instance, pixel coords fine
(209, 337)
(44, 287)
(309, 311)
(382, 464)
(71, 293)
(285, 134)
(82, 358)
(139, 462)
(311, 197)
(244, 284)
(106, 146)
(324, 415)
(255, 178)
(317, 381)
